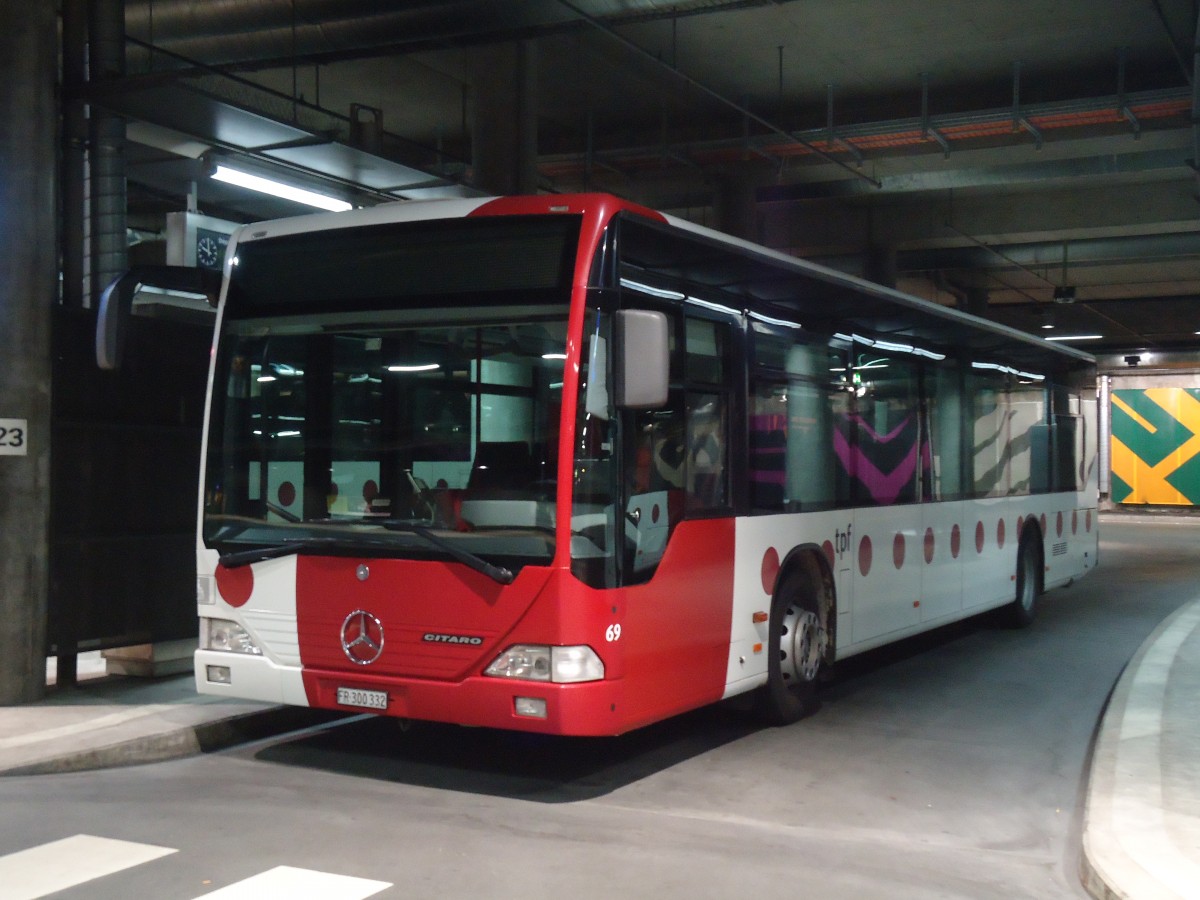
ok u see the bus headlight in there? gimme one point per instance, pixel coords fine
(537, 662)
(227, 636)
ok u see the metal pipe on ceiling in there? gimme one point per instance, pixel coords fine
(254, 33)
(714, 95)
(257, 32)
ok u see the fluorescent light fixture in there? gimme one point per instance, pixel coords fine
(715, 307)
(423, 367)
(652, 291)
(890, 346)
(770, 320)
(554, 356)
(1008, 370)
(1075, 337)
(277, 189)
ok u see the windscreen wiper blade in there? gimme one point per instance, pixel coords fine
(274, 551)
(300, 545)
(479, 564)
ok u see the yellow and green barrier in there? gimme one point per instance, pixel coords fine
(1156, 446)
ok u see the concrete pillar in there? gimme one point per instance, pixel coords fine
(109, 245)
(74, 152)
(504, 118)
(28, 278)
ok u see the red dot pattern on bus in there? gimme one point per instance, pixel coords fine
(864, 555)
(770, 570)
(235, 585)
(286, 495)
(899, 546)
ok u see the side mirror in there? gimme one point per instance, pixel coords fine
(643, 359)
(116, 303)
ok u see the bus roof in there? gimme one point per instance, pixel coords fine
(815, 295)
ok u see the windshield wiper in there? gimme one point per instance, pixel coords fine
(479, 564)
(301, 545)
(286, 548)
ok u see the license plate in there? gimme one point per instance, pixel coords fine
(359, 697)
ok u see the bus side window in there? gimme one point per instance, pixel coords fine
(944, 411)
(706, 451)
(885, 430)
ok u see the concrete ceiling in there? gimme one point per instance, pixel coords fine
(991, 151)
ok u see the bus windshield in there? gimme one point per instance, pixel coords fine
(424, 430)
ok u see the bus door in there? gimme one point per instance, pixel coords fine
(883, 436)
(945, 537)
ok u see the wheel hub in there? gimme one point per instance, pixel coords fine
(804, 645)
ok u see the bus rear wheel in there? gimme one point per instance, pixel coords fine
(1029, 581)
(796, 647)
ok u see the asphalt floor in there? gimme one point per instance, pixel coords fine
(1141, 831)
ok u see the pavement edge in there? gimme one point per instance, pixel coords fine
(1109, 872)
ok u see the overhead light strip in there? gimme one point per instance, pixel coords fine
(278, 189)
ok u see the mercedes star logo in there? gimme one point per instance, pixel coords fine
(362, 638)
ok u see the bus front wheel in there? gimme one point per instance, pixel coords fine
(795, 648)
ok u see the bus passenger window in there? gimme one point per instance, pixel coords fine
(706, 449)
(888, 456)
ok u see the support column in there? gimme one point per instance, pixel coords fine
(504, 120)
(109, 250)
(28, 275)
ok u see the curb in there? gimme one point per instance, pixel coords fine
(1125, 854)
(192, 740)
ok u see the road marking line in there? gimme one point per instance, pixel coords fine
(299, 884)
(59, 865)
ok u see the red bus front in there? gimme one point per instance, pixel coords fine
(412, 499)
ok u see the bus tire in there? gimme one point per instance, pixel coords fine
(1022, 610)
(795, 649)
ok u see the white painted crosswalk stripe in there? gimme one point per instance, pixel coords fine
(299, 884)
(59, 865)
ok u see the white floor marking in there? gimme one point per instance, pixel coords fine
(299, 884)
(59, 865)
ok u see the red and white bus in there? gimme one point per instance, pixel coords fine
(565, 464)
